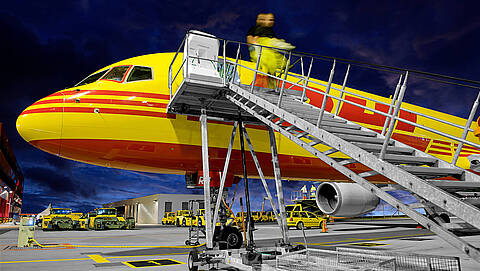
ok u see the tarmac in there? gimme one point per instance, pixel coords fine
(130, 248)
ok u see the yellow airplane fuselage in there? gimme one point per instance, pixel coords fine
(122, 124)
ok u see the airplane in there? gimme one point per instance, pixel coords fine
(117, 117)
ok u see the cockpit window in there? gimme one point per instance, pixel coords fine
(116, 74)
(140, 73)
(92, 78)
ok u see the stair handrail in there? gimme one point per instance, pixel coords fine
(306, 80)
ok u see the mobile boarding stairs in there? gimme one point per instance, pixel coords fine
(202, 83)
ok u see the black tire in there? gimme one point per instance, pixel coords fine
(192, 257)
(300, 225)
(230, 238)
(444, 217)
(298, 248)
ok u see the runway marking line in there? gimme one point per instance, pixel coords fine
(84, 259)
(365, 239)
(52, 260)
(152, 263)
(98, 258)
(367, 244)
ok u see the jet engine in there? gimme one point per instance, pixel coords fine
(345, 199)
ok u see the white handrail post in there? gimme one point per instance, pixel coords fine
(305, 85)
(327, 91)
(284, 78)
(394, 117)
(394, 98)
(256, 68)
(236, 63)
(343, 89)
(170, 81)
(465, 130)
(188, 57)
(224, 62)
(303, 75)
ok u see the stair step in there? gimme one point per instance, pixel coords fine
(377, 148)
(348, 131)
(363, 139)
(408, 159)
(330, 151)
(314, 118)
(433, 172)
(347, 162)
(367, 174)
(456, 186)
(327, 123)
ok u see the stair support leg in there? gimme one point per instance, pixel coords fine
(278, 183)
(224, 174)
(250, 243)
(206, 180)
(262, 178)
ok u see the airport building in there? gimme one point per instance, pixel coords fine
(150, 209)
(11, 180)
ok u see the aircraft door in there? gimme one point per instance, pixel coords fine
(201, 53)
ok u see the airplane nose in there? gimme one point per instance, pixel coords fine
(40, 124)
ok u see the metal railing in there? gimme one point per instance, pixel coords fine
(321, 259)
(411, 261)
(303, 81)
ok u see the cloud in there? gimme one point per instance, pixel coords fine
(48, 49)
(217, 22)
(57, 183)
(423, 45)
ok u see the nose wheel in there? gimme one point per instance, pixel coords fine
(193, 260)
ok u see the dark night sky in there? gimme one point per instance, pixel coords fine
(49, 45)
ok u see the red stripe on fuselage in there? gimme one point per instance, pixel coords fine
(112, 92)
(441, 147)
(161, 157)
(439, 152)
(104, 101)
(441, 142)
(253, 126)
(101, 110)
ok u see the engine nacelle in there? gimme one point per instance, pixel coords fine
(345, 199)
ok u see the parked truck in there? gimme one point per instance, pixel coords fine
(107, 218)
(61, 219)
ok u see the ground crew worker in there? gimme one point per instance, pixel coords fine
(271, 60)
(313, 192)
(304, 191)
